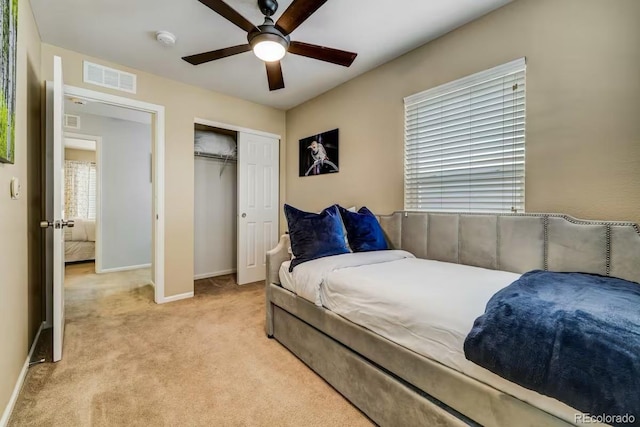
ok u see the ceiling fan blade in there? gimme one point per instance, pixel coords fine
(201, 58)
(322, 53)
(274, 75)
(297, 13)
(224, 10)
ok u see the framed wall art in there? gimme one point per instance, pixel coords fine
(319, 154)
(9, 44)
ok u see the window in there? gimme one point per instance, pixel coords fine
(80, 189)
(464, 143)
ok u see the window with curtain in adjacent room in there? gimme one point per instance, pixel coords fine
(465, 143)
(80, 189)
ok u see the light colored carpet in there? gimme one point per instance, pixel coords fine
(199, 362)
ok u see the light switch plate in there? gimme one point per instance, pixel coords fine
(15, 188)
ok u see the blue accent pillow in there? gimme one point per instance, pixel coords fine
(363, 230)
(315, 235)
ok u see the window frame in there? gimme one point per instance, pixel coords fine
(430, 98)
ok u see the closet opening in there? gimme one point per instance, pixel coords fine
(236, 204)
(215, 207)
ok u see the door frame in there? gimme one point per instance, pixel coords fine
(158, 188)
(205, 122)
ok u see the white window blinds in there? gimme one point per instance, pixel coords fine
(464, 143)
(80, 189)
(91, 211)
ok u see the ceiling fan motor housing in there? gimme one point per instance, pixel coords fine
(268, 32)
(268, 7)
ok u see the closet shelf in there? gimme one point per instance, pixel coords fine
(215, 156)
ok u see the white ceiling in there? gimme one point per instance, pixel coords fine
(123, 31)
(80, 144)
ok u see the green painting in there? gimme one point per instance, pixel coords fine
(9, 36)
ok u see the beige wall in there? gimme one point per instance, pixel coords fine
(182, 104)
(79, 155)
(20, 285)
(583, 106)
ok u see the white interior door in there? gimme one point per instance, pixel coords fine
(258, 176)
(58, 208)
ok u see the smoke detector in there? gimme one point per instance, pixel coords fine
(166, 38)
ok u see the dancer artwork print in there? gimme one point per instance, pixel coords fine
(319, 154)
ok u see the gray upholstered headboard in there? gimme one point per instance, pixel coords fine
(519, 242)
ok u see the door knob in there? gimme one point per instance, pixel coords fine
(57, 224)
(244, 215)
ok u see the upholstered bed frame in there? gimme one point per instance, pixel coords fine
(395, 386)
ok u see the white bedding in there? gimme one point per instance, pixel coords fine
(426, 306)
(83, 230)
(79, 251)
(307, 278)
(286, 278)
(429, 313)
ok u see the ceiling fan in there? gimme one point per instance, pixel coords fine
(270, 41)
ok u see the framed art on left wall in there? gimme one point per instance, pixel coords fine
(8, 46)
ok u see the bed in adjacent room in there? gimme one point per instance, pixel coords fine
(80, 241)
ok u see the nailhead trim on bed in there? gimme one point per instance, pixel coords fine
(571, 219)
(545, 257)
(608, 252)
(545, 219)
(498, 243)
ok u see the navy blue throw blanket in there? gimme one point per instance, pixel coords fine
(572, 336)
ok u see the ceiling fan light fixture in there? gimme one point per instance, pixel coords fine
(269, 51)
(269, 47)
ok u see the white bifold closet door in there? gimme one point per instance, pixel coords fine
(258, 205)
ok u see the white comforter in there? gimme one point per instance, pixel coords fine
(307, 278)
(426, 306)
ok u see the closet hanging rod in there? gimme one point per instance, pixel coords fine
(215, 156)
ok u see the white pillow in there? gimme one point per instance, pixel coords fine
(214, 143)
(78, 233)
(90, 229)
(344, 229)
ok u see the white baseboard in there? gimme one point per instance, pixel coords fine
(176, 297)
(19, 382)
(127, 268)
(214, 274)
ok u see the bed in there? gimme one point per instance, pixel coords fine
(80, 241)
(399, 367)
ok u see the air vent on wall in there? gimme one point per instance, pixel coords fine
(109, 77)
(71, 121)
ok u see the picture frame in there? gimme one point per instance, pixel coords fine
(8, 50)
(319, 154)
